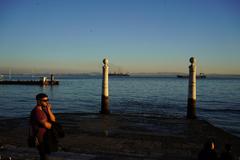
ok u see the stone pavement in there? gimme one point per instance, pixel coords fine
(96, 136)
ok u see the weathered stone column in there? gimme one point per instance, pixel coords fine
(105, 94)
(191, 106)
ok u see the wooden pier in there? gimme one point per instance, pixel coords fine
(42, 81)
(30, 82)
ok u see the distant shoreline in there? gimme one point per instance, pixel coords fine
(6, 76)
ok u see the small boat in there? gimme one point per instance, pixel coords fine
(200, 76)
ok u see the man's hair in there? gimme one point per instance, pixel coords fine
(40, 96)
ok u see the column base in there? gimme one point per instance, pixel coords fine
(105, 105)
(191, 109)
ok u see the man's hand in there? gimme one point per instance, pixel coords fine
(52, 116)
(49, 107)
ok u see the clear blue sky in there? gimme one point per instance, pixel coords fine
(137, 35)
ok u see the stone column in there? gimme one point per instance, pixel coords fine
(191, 106)
(105, 94)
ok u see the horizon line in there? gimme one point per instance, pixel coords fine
(133, 73)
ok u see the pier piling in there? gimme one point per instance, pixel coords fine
(191, 105)
(105, 93)
(52, 78)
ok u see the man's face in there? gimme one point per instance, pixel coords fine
(212, 146)
(44, 101)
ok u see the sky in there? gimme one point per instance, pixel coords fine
(137, 36)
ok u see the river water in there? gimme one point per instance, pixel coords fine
(218, 99)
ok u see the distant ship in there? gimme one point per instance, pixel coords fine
(118, 74)
(201, 76)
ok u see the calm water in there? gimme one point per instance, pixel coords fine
(218, 99)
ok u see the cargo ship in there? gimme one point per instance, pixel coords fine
(201, 76)
(119, 74)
